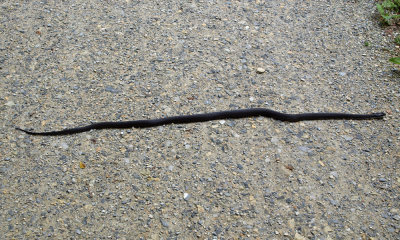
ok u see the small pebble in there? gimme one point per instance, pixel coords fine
(186, 196)
(347, 138)
(64, 145)
(111, 89)
(164, 223)
(274, 140)
(333, 175)
(260, 70)
(305, 149)
(10, 103)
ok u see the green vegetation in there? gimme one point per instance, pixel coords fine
(395, 60)
(389, 11)
(397, 39)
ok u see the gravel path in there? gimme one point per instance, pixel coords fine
(65, 64)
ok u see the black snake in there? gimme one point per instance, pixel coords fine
(203, 117)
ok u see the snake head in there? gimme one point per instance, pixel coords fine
(378, 115)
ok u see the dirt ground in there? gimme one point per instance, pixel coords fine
(68, 63)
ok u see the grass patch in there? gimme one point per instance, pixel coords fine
(389, 11)
(397, 39)
(395, 60)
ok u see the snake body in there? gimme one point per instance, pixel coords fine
(203, 117)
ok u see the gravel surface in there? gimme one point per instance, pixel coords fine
(65, 64)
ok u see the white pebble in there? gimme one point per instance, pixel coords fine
(10, 103)
(186, 196)
(260, 70)
(64, 145)
(347, 138)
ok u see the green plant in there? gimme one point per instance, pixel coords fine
(389, 11)
(395, 60)
(397, 39)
